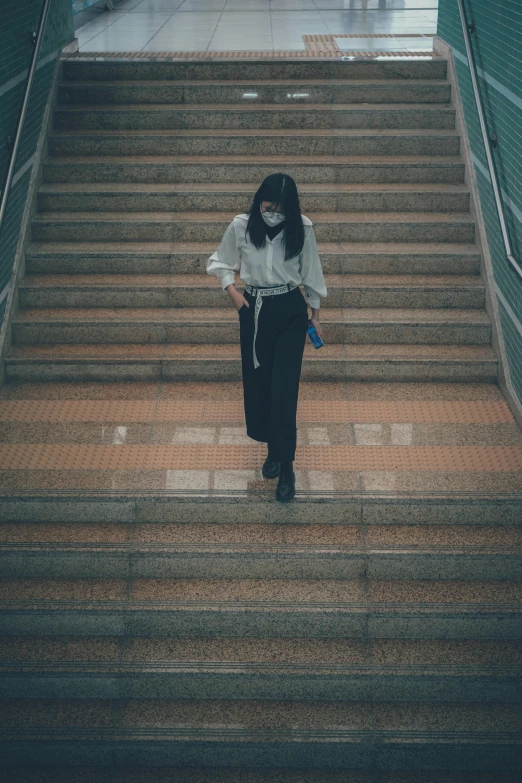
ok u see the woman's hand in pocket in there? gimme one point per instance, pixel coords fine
(237, 297)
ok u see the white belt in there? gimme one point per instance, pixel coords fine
(259, 294)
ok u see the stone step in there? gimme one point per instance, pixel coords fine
(112, 465)
(254, 142)
(190, 258)
(255, 116)
(221, 169)
(137, 197)
(91, 70)
(261, 608)
(305, 734)
(251, 775)
(425, 511)
(366, 635)
(204, 362)
(449, 431)
(259, 561)
(417, 533)
(210, 226)
(388, 291)
(173, 325)
(339, 670)
(258, 92)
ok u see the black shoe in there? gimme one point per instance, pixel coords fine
(286, 485)
(271, 468)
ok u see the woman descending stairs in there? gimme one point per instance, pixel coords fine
(162, 618)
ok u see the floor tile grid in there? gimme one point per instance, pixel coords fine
(362, 22)
(129, 37)
(120, 30)
(211, 26)
(318, 42)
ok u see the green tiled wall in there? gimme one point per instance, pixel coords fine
(18, 20)
(498, 53)
(81, 5)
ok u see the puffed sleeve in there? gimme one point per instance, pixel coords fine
(311, 270)
(226, 260)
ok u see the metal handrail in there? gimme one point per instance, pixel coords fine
(467, 29)
(37, 38)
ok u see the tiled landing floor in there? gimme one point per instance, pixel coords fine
(253, 25)
(190, 437)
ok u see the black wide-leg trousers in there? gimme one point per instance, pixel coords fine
(271, 390)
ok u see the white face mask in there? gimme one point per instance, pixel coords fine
(272, 218)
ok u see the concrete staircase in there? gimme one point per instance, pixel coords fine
(366, 641)
(155, 637)
(148, 162)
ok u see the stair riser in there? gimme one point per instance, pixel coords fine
(252, 145)
(191, 263)
(136, 231)
(356, 753)
(205, 297)
(157, 565)
(207, 94)
(80, 434)
(255, 119)
(230, 370)
(226, 333)
(227, 172)
(158, 509)
(265, 622)
(292, 687)
(205, 775)
(239, 202)
(105, 71)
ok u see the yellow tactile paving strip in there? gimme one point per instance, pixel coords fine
(337, 411)
(217, 457)
(367, 35)
(327, 44)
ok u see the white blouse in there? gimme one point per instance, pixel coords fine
(267, 266)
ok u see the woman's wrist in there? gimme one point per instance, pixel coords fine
(232, 292)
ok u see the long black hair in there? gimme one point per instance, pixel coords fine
(278, 189)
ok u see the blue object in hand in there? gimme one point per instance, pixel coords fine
(312, 334)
